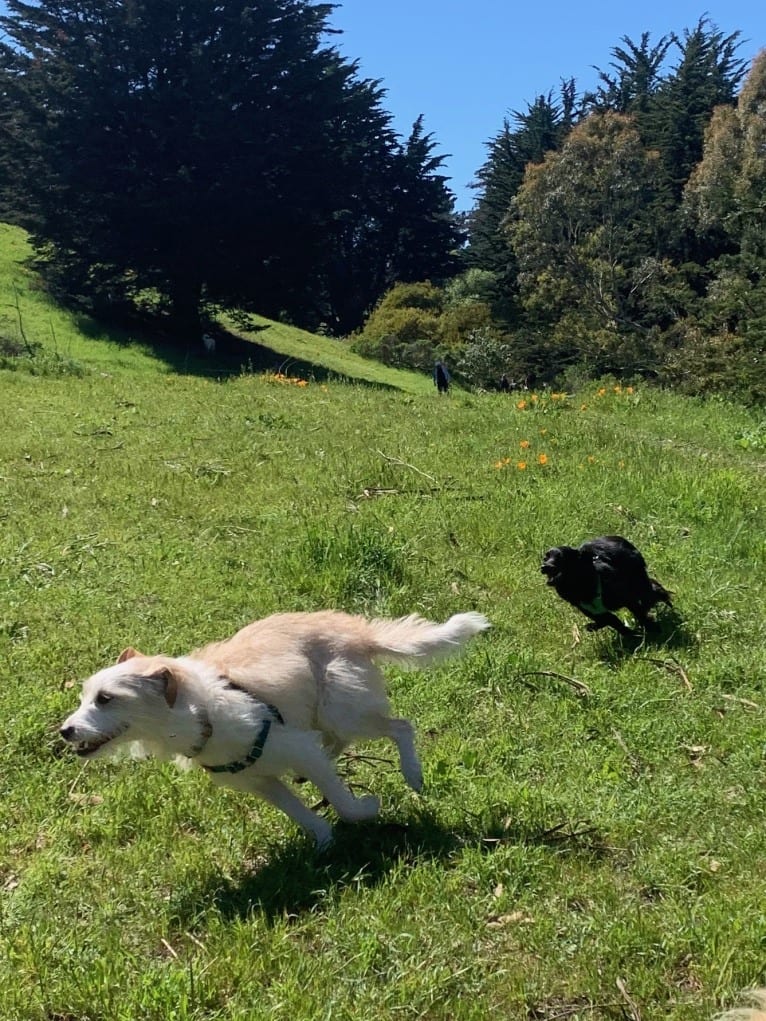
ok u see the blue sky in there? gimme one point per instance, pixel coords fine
(464, 64)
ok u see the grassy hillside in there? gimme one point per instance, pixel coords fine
(26, 313)
(589, 841)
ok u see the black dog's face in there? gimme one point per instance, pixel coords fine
(557, 561)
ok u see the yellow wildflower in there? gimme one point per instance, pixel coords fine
(521, 465)
(524, 444)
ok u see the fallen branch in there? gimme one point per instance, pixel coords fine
(673, 667)
(404, 464)
(635, 1013)
(742, 701)
(579, 687)
(371, 492)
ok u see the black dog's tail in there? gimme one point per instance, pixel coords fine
(661, 594)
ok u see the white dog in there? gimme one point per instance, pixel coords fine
(284, 695)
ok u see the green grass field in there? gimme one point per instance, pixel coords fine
(589, 841)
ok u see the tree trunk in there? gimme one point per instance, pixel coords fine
(185, 296)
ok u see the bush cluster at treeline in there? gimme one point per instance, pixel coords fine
(171, 157)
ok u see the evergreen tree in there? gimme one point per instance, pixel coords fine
(206, 148)
(526, 139)
(707, 75)
(634, 79)
(404, 231)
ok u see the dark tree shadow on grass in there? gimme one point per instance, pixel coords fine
(297, 879)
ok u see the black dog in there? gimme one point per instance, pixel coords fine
(602, 576)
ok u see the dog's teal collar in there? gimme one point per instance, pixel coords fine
(257, 748)
(596, 608)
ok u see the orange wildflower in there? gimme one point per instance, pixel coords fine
(521, 405)
(521, 465)
(524, 444)
(542, 459)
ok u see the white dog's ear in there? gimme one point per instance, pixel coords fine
(168, 677)
(128, 653)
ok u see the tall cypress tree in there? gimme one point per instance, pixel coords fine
(206, 148)
(524, 139)
(398, 226)
(706, 75)
(635, 76)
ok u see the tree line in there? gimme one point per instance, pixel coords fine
(619, 231)
(174, 157)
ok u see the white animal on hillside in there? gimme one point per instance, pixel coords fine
(284, 695)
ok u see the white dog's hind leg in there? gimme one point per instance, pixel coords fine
(403, 734)
(376, 726)
(314, 764)
(275, 792)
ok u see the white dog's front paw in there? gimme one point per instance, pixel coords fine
(365, 808)
(322, 832)
(414, 778)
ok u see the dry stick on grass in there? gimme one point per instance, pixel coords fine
(404, 464)
(741, 701)
(674, 667)
(371, 492)
(634, 1013)
(579, 687)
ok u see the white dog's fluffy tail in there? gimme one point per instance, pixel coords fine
(413, 642)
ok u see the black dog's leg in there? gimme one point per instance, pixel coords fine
(641, 613)
(609, 620)
(643, 619)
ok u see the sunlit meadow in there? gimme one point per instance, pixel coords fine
(589, 841)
